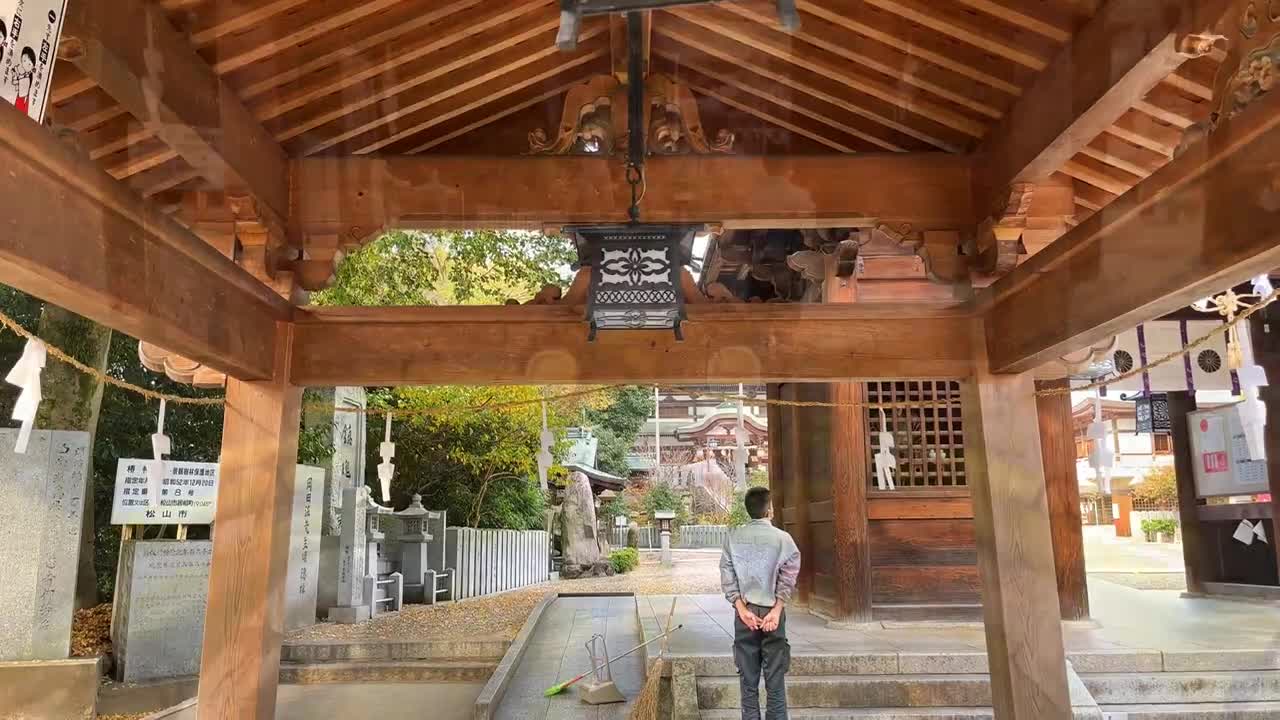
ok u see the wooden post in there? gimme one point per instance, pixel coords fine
(1015, 556)
(1122, 503)
(1062, 489)
(1194, 557)
(244, 621)
(849, 476)
(798, 495)
(777, 458)
(1266, 349)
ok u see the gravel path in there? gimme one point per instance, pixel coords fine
(501, 616)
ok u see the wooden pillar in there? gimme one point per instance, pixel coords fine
(798, 493)
(1015, 556)
(777, 457)
(1062, 491)
(244, 621)
(849, 477)
(1194, 556)
(1266, 349)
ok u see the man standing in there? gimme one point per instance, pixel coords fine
(758, 570)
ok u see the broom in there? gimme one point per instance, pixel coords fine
(557, 689)
(646, 704)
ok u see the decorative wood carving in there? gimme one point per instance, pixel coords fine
(594, 121)
(998, 242)
(178, 368)
(811, 264)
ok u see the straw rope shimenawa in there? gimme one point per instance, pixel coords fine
(61, 356)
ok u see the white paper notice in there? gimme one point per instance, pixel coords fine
(1260, 532)
(29, 31)
(1244, 532)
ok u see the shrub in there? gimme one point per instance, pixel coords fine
(624, 560)
(1153, 526)
(1158, 487)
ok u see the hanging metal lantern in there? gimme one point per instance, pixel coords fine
(635, 275)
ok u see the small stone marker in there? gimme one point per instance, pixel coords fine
(41, 503)
(304, 548)
(158, 626)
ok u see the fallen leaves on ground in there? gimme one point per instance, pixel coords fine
(91, 631)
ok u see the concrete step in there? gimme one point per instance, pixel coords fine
(859, 691)
(386, 671)
(1195, 711)
(1183, 687)
(937, 713)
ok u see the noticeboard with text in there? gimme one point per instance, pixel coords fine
(29, 32)
(188, 494)
(1220, 455)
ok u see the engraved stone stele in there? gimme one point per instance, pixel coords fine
(41, 502)
(351, 604)
(304, 548)
(158, 625)
(348, 454)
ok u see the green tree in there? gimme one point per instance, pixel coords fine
(616, 421)
(449, 268)
(479, 465)
(1158, 487)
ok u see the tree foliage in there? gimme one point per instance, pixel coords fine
(1158, 487)
(616, 421)
(479, 465)
(448, 268)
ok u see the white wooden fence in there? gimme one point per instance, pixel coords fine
(688, 537)
(492, 561)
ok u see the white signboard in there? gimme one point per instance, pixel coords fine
(29, 31)
(188, 494)
(1220, 455)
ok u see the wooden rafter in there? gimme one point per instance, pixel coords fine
(1007, 41)
(76, 237)
(355, 197)
(845, 131)
(196, 115)
(1207, 220)
(1111, 64)
(821, 87)
(401, 117)
(535, 344)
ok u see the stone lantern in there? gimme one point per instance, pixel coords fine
(664, 519)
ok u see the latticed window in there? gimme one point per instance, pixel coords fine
(927, 432)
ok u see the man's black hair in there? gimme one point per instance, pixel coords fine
(757, 502)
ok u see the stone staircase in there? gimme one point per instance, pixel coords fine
(438, 661)
(920, 686)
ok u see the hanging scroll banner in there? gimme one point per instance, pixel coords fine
(29, 33)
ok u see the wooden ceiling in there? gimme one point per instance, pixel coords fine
(331, 77)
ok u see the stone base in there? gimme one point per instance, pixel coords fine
(600, 569)
(49, 689)
(349, 615)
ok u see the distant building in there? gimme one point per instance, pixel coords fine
(1135, 453)
(692, 429)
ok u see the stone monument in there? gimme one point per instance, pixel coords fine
(41, 503)
(348, 454)
(157, 628)
(584, 552)
(304, 548)
(350, 604)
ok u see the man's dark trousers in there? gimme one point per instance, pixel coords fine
(757, 652)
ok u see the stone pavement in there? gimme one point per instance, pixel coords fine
(1124, 620)
(557, 652)
(1106, 553)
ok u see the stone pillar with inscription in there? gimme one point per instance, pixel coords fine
(41, 501)
(156, 632)
(348, 453)
(351, 605)
(304, 548)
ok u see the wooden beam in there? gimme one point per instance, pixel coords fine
(798, 489)
(1111, 64)
(244, 618)
(357, 197)
(777, 454)
(1005, 471)
(1264, 332)
(174, 93)
(548, 344)
(1205, 221)
(619, 47)
(1062, 489)
(77, 238)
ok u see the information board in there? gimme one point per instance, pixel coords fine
(29, 32)
(188, 494)
(1220, 454)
